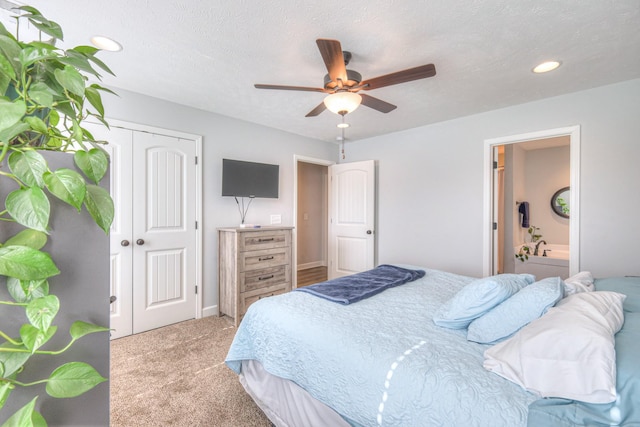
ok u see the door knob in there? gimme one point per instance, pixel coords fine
(124, 243)
(369, 232)
(140, 242)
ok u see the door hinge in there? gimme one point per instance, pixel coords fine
(495, 165)
(196, 225)
(495, 225)
(196, 290)
(196, 160)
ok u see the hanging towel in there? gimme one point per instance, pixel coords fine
(524, 210)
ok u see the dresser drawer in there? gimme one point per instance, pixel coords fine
(264, 278)
(247, 300)
(257, 260)
(258, 240)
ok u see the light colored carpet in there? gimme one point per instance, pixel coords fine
(176, 376)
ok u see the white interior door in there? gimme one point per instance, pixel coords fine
(351, 218)
(164, 230)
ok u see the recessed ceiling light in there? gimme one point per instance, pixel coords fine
(106, 43)
(343, 125)
(546, 67)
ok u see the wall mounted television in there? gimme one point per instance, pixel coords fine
(250, 179)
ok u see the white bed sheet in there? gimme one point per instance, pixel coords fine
(284, 402)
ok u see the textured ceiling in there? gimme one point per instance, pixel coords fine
(208, 53)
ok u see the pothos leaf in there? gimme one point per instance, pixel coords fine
(73, 379)
(92, 163)
(29, 207)
(28, 166)
(79, 329)
(31, 238)
(42, 311)
(67, 185)
(26, 263)
(23, 417)
(100, 206)
(13, 360)
(33, 338)
(24, 291)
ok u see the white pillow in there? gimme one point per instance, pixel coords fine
(581, 282)
(569, 352)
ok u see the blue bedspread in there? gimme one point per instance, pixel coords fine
(356, 287)
(381, 361)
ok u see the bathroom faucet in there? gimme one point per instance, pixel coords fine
(535, 252)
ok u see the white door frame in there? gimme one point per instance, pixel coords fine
(574, 224)
(198, 191)
(300, 159)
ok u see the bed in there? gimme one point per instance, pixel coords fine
(384, 362)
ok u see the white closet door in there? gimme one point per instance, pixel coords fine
(164, 230)
(153, 235)
(119, 149)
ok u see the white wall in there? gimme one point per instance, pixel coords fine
(431, 181)
(224, 137)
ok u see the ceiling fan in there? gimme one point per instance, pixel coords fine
(343, 85)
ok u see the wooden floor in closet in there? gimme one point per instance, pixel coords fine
(309, 276)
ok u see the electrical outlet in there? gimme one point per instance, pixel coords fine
(276, 219)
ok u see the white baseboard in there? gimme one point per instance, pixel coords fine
(210, 311)
(312, 265)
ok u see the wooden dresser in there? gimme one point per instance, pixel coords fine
(253, 263)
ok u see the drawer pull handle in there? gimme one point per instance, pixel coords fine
(267, 258)
(265, 277)
(264, 296)
(270, 239)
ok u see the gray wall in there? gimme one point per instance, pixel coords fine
(81, 252)
(224, 137)
(431, 181)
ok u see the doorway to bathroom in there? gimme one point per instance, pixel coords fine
(523, 173)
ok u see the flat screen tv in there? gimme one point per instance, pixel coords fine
(249, 179)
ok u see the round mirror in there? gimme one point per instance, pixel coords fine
(560, 202)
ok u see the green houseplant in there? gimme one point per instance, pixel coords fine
(528, 248)
(46, 98)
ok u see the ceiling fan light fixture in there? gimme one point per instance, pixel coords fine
(342, 102)
(545, 67)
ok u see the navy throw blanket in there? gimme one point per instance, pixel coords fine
(524, 210)
(349, 289)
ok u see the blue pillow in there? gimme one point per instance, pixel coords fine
(478, 297)
(517, 311)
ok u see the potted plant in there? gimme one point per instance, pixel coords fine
(46, 99)
(528, 248)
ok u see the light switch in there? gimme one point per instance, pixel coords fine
(305, 216)
(276, 219)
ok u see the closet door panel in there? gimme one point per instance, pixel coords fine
(164, 228)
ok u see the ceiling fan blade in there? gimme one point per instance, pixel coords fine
(301, 88)
(319, 109)
(333, 57)
(411, 74)
(377, 104)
